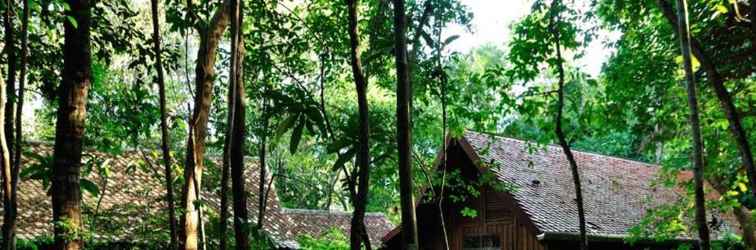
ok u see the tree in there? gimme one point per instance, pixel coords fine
(8, 234)
(403, 129)
(726, 102)
(9, 215)
(210, 36)
(164, 135)
(69, 128)
(11, 176)
(10, 84)
(237, 131)
(554, 23)
(358, 230)
(695, 127)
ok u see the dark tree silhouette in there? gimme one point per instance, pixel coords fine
(404, 133)
(164, 135)
(237, 129)
(363, 154)
(695, 126)
(554, 26)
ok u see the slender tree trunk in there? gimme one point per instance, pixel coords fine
(716, 81)
(10, 85)
(262, 200)
(238, 131)
(404, 132)
(9, 220)
(554, 24)
(363, 155)
(164, 136)
(204, 76)
(695, 127)
(9, 214)
(69, 128)
(223, 225)
(8, 228)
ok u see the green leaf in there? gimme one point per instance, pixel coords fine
(469, 212)
(90, 187)
(721, 9)
(296, 136)
(73, 22)
(450, 39)
(344, 158)
(286, 124)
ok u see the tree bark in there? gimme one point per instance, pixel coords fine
(10, 84)
(9, 220)
(356, 238)
(8, 225)
(262, 200)
(716, 81)
(404, 133)
(555, 10)
(69, 128)
(695, 127)
(164, 135)
(223, 225)
(204, 76)
(9, 214)
(238, 131)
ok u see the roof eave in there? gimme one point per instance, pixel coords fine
(561, 236)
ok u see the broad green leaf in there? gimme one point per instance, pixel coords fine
(286, 124)
(90, 187)
(296, 136)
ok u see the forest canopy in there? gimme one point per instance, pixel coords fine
(348, 106)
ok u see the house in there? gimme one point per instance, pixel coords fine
(536, 209)
(133, 191)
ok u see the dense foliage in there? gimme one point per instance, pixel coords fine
(302, 104)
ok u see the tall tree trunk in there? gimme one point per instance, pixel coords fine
(238, 131)
(195, 155)
(8, 228)
(9, 214)
(69, 128)
(10, 85)
(262, 200)
(9, 220)
(695, 127)
(404, 133)
(164, 136)
(363, 154)
(716, 81)
(223, 225)
(554, 26)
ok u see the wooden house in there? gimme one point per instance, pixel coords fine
(536, 208)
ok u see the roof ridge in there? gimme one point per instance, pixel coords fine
(559, 148)
(324, 211)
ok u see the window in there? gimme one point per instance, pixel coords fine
(481, 242)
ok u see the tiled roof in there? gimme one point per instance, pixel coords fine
(617, 193)
(135, 191)
(309, 221)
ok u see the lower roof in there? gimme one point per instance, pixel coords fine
(133, 193)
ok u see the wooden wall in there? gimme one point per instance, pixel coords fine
(498, 216)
